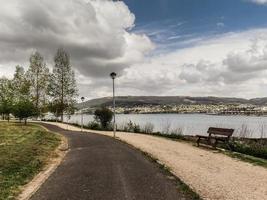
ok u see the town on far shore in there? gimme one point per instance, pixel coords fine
(220, 109)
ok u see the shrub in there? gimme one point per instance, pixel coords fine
(148, 128)
(177, 133)
(24, 109)
(136, 128)
(243, 132)
(131, 127)
(94, 125)
(253, 148)
(104, 117)
(166, 127)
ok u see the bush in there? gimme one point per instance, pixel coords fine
(148, 128)
(131, 127)
(166, 127)
(177, 131)
(24, 109)
(253, 148)
(104, 117)
(94, 125)
(136, 128)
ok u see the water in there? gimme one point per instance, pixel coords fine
(191, 124)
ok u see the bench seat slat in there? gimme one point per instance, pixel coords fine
(220, 131)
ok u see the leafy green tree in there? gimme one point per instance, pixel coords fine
(103, 116)
(22, 106)
(20, 84)
(38, 76)
(6, 97)
(23, 109)
(62, 87)
(54, 107)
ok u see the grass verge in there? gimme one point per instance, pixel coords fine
(24, 150)
(247, 158)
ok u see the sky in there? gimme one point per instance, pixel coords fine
(157, 47)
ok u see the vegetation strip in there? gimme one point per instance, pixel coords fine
(247, 158)
(24, 152)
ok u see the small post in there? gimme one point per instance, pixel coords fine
(113, 76)
(82, 98)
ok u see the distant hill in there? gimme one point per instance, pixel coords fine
(129, 101)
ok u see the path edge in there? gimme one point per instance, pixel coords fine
(28, 190)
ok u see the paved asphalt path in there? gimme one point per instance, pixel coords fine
(98, 167)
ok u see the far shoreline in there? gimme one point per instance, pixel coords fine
(174, 113)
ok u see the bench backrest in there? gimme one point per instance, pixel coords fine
(220, 131)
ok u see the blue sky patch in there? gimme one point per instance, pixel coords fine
(173, 24)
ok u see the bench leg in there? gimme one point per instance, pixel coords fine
(208, 141)
(198, 140)
(215, 144)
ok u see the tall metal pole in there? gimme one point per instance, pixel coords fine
(81, 121)
(82, 116)
(114, 114)
(113, 76)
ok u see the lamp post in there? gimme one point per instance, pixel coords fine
(82, 98)
(113, 76)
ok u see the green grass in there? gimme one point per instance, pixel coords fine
(253, 147)
(247, 158)
(24, 150)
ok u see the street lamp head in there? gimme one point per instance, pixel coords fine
(113, 75)
(82, 98)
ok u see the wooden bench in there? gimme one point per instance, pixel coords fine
(218, 135)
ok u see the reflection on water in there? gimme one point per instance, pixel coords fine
(191, 124)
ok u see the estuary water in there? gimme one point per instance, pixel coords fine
(189, 124)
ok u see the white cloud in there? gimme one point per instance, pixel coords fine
(233, 64)
(97, 36)
(259, 1)
(95, 33)
(220, 24)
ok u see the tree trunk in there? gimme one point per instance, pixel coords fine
(25, 121)
(62, 95)
(37, 92)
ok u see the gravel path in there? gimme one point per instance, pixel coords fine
(212, 175)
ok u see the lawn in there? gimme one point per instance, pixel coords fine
(24, 150)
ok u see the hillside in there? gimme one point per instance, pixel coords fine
(129, 101)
